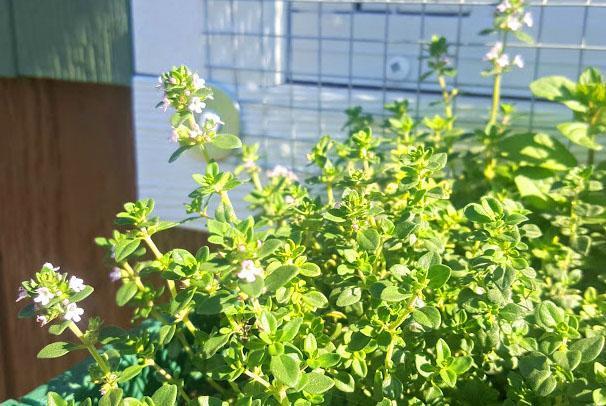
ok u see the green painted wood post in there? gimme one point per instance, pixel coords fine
(76, 40)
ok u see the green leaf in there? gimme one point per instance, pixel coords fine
(268, 247)
(55, 350)
(166, 333)
(369, 240)
(211, 401)
(166, 395)
(548, 315)
(442, 350)
(317, 383)
(512, 312)
(344, 382)
(542, 382)
(568, 360)
(578, 133)
(54, 399)
(285, 369)
(124, 248)
(112, 398)
(448, 376)
(589, 347)
(460, 365)
(290, 329)
(126, 292)
(438, 275)
(476, 213)
(214, 344)
(524, 37)
(226, 141)
(57, 329)
(178, 153)
(315, 299)
(252, 289)
(130, 372)
(428, 317)
(537, 149)
(349, 296)
(393, 294)
(553, 88)
(280, 277)
(83, 294)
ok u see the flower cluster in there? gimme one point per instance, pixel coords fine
(512, 15)
(502, 60)
(280, 171)
(54, 295)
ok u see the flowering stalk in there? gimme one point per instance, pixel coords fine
(90, 347)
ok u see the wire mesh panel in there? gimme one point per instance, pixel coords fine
(295, 66)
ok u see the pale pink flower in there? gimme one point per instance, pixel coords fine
(196, 105)
(502, 61)
(289, 199)
(518, 61)
(115, 275)
(527, 19)
(513, 23)
(174, 136)
(249, 271)
(418, 303)
(50, 266)
(494, 52)
(44, 296)
(165, 104)
(282, 171)
(76, 284)
(42, 320)
(73, 312)
(197, 81)
(503, 6)
(21, 294)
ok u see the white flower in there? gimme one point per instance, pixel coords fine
(527, 19)
(173, 81)
(249, 164)
(513, 23)
(165, 104)
(21, 294)
(196, 105)
(42, 320)
(494, 52)
(249, 271)
(518, 61)
(289, 199)
(44, 296)
(418, 303)
(503, 6)
(502, 61)
(76, 284)
(479, 290)
(115, 275)
(174, 136)
(213, 120)
(282, 171)
(73, 312)
(50, 266)
(197, 81)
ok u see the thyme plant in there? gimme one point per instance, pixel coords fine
(408, 269)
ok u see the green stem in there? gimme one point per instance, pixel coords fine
(169, 378)
(496, 99)
(447, 99)
(154, 249)
(91, 348)
(329, 192)
(229, 208)
(254, 176)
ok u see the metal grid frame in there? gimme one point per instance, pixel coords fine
(349, 83)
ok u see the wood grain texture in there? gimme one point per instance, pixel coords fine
(66, 167)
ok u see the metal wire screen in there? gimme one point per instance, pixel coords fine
(295, 66)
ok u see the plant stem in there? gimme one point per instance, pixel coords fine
(168, 378)
(257, 378)
(254, 176)
(447, 99)
(91, 348)
(496, 99)
(329, 192)
(154, 249)
(229, 208)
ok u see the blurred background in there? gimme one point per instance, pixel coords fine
(79, 133)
